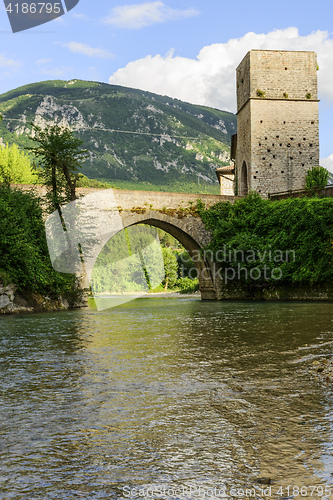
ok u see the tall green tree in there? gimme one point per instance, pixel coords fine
(60, 155)
(170, 268)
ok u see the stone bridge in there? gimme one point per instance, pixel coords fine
(172, 212)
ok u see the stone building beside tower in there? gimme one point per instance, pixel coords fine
(277, 138)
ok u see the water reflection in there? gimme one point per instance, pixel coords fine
(169, 392)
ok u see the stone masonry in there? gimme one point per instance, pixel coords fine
(278, 126)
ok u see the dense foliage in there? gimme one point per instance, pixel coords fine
(317, 177)
(15, 166)
(24, 254)
(291, 238)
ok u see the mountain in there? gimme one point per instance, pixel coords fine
(133, 136)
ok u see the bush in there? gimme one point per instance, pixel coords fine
(187, 285)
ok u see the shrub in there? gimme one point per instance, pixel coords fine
(317, 177)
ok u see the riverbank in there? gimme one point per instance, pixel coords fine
(14, 302)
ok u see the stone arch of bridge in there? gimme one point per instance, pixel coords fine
(190, 232)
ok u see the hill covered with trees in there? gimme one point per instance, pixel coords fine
(136, 139)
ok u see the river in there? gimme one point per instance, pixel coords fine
(167, 398)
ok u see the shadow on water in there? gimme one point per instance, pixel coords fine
(173, 392)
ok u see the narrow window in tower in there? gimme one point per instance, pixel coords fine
(310, 145)
(273, 156)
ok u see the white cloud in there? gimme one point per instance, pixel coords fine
(327, 163)
(82, 48)
(7, 63)
(145, 14)
(210, 78)
(43, 61)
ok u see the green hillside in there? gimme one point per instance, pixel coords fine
(136, 139)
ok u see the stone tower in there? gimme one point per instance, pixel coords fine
(277, 113)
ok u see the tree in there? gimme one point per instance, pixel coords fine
(15, 166)
(61, 155)
(317, 177)
(170, 268)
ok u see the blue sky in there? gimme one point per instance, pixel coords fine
(187, 49)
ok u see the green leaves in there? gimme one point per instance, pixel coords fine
(294, 235)
(15, 166)
(60, 155)
(317, 177)
(23, 248)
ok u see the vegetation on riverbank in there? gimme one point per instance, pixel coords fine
(262, 243)
(24, 253)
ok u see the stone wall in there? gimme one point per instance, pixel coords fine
(276, 73)
(322, 292)
(284, 144)
(227, 184)
(243, 149)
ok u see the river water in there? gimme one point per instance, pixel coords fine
(167, 398)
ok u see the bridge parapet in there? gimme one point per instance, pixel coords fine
(127, 199)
